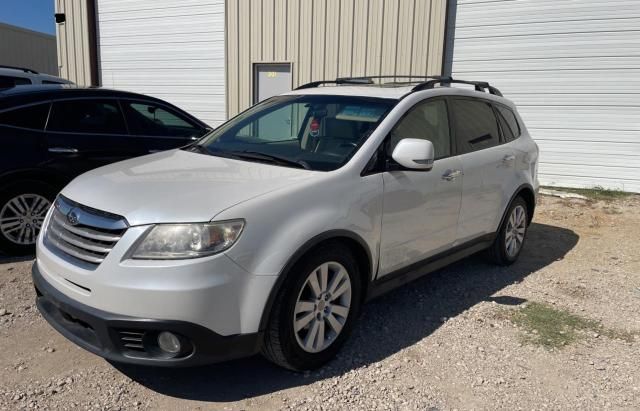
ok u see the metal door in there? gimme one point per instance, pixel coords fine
(271, 80)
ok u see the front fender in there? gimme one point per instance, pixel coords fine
(280, 223)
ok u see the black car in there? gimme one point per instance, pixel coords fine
(50, 134)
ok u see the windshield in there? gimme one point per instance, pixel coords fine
(316, 132)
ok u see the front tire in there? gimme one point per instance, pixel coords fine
(511, 235)
(315, 311)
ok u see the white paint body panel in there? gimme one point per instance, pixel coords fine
(420, 214)
(170, 49)
(572, 66)
(407, 216)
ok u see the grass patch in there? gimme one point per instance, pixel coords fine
(553, 328)
(595, 193)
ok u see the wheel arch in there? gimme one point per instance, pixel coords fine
(527, 192)
(357, 246)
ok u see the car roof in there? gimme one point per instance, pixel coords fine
(33, 93)
(30, 94)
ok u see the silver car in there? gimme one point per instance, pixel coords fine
(269, 233)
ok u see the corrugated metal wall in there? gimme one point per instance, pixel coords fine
(572, 67)
(26, 48)
(75, 37)
(325, 39)
(171, 49)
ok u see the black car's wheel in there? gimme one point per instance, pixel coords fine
(511, 235)
(315, 311)
(23, 207)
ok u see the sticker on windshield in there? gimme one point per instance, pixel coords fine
(361, 113)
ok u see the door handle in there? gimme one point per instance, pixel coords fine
(508, 158)
(63, 150)
(451, 175)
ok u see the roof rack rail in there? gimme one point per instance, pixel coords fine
(479, 85)
(338, 81)
(26, 70)
(365, 80)
(396, 76)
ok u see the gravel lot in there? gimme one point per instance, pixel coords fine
(447, 341)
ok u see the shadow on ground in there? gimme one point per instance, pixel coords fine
(388, 324)
(6, 258)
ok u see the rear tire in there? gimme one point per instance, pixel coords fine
(311, 319)
(511, 235)
(23, 207)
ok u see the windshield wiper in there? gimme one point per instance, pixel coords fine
(254, 155)
(195, 147)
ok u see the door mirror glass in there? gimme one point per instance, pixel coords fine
(414, 154)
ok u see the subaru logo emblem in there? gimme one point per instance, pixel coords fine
(72, 217)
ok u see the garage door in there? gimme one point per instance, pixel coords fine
(573, 69)
(171, 49)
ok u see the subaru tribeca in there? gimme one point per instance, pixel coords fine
(269, 233)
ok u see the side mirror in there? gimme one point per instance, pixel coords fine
(414, 154)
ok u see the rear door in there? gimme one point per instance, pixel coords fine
(22, 137)
(158, 127)
(86, 133)
(488, 164)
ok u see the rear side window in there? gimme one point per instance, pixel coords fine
(11, 81)
(476, 125)
(145, 119)
(33, 117)
(87, 116)
(508, 123)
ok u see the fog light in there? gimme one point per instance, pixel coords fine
(169, 342)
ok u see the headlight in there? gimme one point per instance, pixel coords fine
(175, 241)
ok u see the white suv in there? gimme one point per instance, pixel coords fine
(17, 76)
(269, 233)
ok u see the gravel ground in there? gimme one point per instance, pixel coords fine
(444, 342)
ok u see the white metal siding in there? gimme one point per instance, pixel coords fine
(573, 69)
(171, 49)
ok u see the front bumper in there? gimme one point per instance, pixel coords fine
(132, 340)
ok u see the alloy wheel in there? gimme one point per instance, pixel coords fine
(516, 229)
(322, 307)
(22, 216)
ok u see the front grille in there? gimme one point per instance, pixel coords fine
(82, 232)
(132, 340)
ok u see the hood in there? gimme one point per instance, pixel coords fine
(178, 186)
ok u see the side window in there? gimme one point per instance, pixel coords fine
(476, 125)
(11, 81)
(51, 82)
(427, 121)
(87, 116)
(33, 117)
(508, 123)
(146, 119)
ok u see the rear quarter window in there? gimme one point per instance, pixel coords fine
(32, 117)
(508, 122)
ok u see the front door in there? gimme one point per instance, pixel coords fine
(420, 211)
(83, 134)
